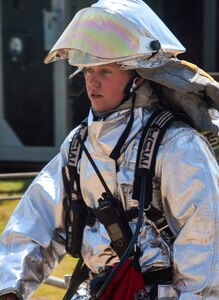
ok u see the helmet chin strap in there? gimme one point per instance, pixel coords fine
(131, 87)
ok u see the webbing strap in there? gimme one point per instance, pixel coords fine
(151, 138)
(75, 149)
(75, 152)
(147, 151)
(145, 166)
(79, 275)
(115, 154)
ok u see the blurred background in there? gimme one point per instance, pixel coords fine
(39, 105)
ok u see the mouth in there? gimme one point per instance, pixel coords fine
(95, 96)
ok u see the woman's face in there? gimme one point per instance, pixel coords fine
(105, 85)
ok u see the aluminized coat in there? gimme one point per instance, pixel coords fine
(185, 188)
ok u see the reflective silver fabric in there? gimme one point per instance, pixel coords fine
(190, 89)
(185, 189)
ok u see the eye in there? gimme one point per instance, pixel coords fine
(87, 70)
(106, 71)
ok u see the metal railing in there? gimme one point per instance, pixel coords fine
(16, 197)
(11, 176)
(26, 175)
(56, 282)
(53, 281)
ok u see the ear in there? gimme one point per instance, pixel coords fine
(136, 83)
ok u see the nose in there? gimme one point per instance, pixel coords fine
(93, 79)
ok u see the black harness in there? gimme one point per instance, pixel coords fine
(77, 213)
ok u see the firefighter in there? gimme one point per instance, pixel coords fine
(130, 65)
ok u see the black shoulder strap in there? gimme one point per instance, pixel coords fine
(150, 141)
(73, 202)
(75, 149)
(152, 136)
(72, 186)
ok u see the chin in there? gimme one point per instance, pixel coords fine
(101, 110)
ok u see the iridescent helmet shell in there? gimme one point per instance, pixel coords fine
(124, 31)
(130, 33)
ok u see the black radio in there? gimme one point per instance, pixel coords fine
(112, 216)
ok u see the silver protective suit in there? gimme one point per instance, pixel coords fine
(185, 188)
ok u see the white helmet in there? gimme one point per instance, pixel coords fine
(123, 31)
(130, 33)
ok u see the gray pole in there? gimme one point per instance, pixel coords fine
(209, 34)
